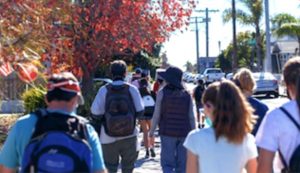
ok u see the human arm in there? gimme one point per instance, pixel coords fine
(265, 161)
(98, 161)
(156, 115)
(192, 162)
(103, 171)
(4, 169)
(9, 157)
(98, 105)
(251, 166)
(192, 114)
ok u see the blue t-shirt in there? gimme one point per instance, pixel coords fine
(260, 110)
(20, 134)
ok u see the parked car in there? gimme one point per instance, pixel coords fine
(190, 78)
(229, 76)
(211, 75)
(266, 83)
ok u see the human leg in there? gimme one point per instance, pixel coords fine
(128, 154)
(111, 157)
(145, 130)
(168, 149)
(181, 156)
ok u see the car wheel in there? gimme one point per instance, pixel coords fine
(276, 95)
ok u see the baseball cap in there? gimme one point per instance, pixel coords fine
(66, 82)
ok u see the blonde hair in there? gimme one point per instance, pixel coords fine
(233, 115)
(245, 79)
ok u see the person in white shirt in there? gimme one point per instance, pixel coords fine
(227, 146)
(277, 132)
(118, 148)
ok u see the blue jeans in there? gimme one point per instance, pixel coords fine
(173, 154)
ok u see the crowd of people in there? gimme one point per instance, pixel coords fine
(220, 128)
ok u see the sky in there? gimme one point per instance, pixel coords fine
(181, 47)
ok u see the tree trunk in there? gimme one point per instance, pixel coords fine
(298, 46)
(258, 46)
(234, 53)
(87, 85)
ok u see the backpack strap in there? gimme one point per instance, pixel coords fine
(290, 117)
(298, 127)
(47, 121)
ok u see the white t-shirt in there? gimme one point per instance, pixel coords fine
(220, 156)
(277, 131)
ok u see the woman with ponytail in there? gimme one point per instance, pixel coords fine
(279, 131)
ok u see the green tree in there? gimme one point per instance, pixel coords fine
(251, 16)
(245, 53)
(189, 66)
(286, 25)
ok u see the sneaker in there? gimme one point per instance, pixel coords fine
(152, 152)
(147, 153)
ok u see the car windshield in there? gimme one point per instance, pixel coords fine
(263, 76)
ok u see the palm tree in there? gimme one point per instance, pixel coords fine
(251, 17)
(286, 25)
(234, 53)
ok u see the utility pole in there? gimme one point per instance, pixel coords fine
(207, 20)
(267, 62)
(197, 40)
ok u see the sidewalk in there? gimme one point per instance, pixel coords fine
(149, 165)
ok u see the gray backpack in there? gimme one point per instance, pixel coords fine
(119, 118)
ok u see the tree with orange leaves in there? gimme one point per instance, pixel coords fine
(81, 35)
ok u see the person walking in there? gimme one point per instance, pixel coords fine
(118, 105)
(227, 146)
(175, 116)
(245, 81)
(54, 139)
(145, 120)
(280, 130)
(197, 94)
(136, 76)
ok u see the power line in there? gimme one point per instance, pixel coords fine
(207, 20)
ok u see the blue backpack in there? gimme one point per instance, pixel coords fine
(58, 144)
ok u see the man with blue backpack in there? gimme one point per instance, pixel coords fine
(54, 139)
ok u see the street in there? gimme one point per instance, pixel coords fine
(152, 165)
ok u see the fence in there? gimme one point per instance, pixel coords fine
(11, 88)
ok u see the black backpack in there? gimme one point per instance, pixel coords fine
(59, 144)
(119, 118)
(294, 164)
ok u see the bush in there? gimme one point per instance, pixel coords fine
(34, 99)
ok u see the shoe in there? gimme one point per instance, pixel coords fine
(152, 152)
(147, 153)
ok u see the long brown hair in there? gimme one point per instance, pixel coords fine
(291, 74)
(233, 115)
(210, 94)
